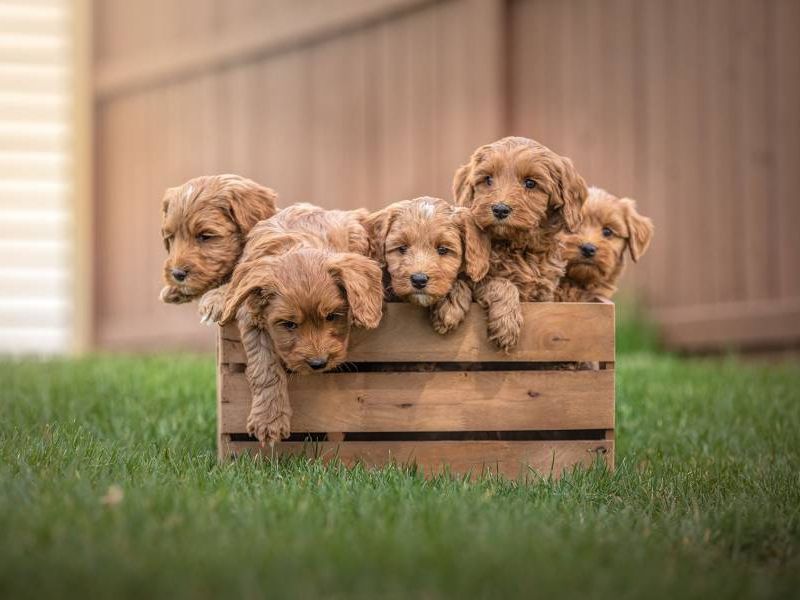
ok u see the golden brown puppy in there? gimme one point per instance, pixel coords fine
(204, 224)
(304, 279)
(595, 253)
(523, 195)
(425, 244)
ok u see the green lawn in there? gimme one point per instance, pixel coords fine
(705, 501)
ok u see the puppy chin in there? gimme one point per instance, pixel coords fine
(420, 299)
(583, 271)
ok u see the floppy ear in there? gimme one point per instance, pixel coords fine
(573, 192)
(477, 246)
(169, 195)
(361, 279)
(250, 203)
(640, 230)
(377, 225)
(463, 191)
(247, 278)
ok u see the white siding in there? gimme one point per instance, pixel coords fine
(35, 177)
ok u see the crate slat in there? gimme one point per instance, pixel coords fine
(553, 332)
(436, 401)
(510, 459)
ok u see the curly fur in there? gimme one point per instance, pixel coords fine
(303, 280)
(204, 225)
(610, 226)
(525, 247)
(431, 237)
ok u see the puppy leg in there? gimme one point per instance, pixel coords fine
(500, 299)
(449, 312)
(211, 304)
(270, 411)
(172, 295)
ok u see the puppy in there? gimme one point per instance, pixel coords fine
(523, 195)
(304, 279)
(204, 225)
(427, 246)
(595, 253)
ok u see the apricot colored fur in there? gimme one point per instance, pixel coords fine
(611, 225)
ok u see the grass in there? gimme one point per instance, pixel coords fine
(705, 501)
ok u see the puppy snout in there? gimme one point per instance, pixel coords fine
(179, 274)
(501, 211)
(318, 362)
(588, 250)
(419, 280)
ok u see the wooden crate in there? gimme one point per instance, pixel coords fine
(410, 395)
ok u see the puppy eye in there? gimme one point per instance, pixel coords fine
(529, 183)
(607, 232)
(442, 250)
(204, 237)
(168, 242)
(402, 249)
(333, 317)
(489, 180)
(289, 325)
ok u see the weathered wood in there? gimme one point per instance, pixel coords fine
(523, 460)
(438, 401)
(553, 332)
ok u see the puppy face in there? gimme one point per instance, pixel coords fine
(306, 301)
(424, 244)
(204, 225)
(516, 187)
(596, 252)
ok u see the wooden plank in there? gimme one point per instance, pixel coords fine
(552, 332)
(757, 325)
(524, 460)
(436, 401)
(205, 53)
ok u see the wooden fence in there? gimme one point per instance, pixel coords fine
(690, 107)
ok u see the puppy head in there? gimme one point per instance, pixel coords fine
(424, 244)
(596, 252)
(306, 301)
(516, 187)
(204, 225)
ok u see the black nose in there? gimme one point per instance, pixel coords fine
(419, 280)
(588, 250)
(179, 274)
(317, 363)
(501, 211)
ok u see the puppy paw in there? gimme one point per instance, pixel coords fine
(445, 321)
(210, 306)
(172, 295)
(505, 332)
(269, 431)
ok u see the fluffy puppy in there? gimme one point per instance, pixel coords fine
(523, 195)
(595, 253)
(427, 246)
(204, 225)
(304, 279)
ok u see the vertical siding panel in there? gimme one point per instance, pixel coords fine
(784, 103)
(722, 182)
(657, 147)
(755, 155)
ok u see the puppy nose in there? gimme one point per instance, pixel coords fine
(588, 250)
(501, 211)
(179, 274)
(317, 363)
(419, 280)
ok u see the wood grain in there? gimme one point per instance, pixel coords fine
(552, 332)
(514, 460)
(439, 401)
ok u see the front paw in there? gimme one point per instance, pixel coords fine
(266, 431)
(210, 307)
(172, 295)
(446, 318)
(505, 332)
